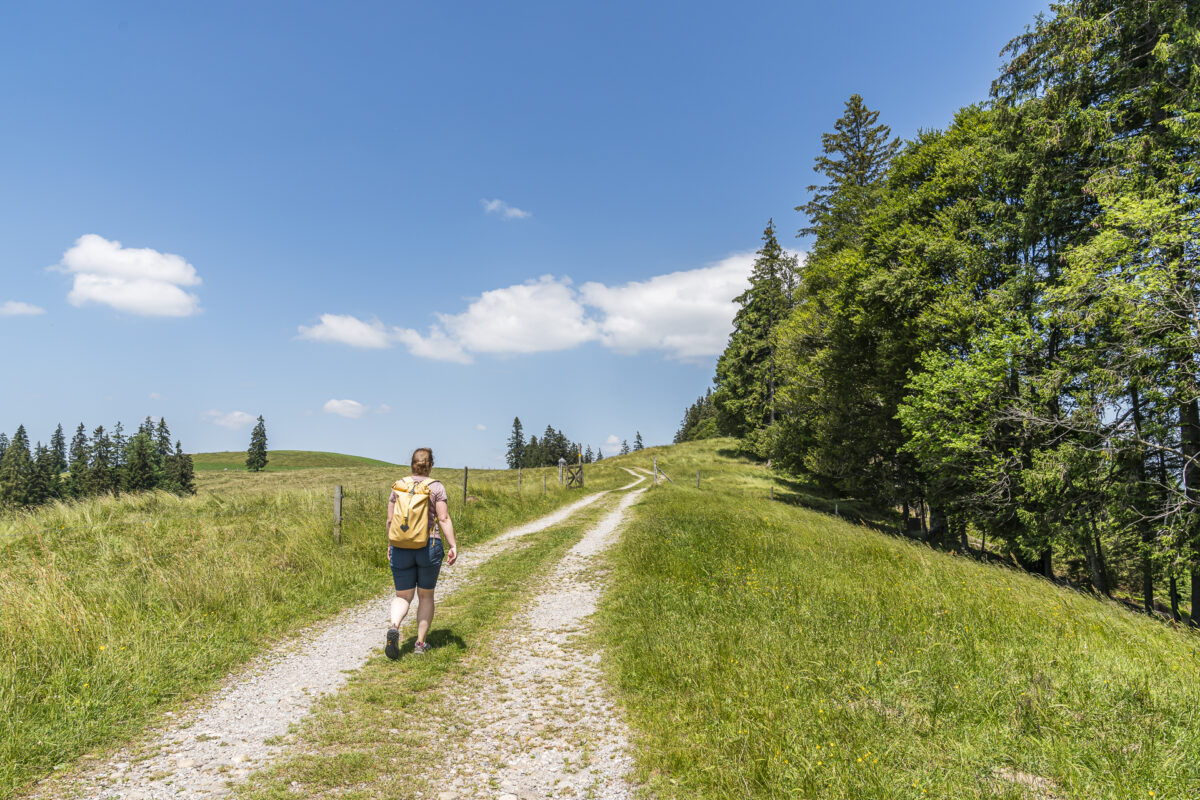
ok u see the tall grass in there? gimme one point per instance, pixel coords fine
(764, 650)
(115, 609)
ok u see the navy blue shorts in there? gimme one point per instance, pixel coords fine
(417, 567)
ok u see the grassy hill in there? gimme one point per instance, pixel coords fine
(766, 650)
(283, 460)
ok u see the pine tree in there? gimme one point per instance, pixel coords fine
(625, 447)
(58, 449)
(599, 454)
(77, 482)
(637, 442)
(16, 471)
(516, 445)
(256, 454)
(3, 444)
(589, 455)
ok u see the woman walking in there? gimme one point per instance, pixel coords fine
(417, 519)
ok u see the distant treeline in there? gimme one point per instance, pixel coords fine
(997, 323)
(105, 463)
(553, 445)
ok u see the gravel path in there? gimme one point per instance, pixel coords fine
(540, 722)
(243, 725)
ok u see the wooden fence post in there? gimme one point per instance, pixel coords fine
(772, 491)
(465, 471)
(337, 514)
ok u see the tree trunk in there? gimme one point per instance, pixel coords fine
(1147, 530)
(937, 526)
(1048, 564)
(1093, 562)
(1189, 435)
(1173, 591)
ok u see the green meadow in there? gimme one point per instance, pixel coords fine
(764, 650)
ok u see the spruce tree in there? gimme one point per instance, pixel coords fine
(16, 471)
(637, 442)
(856, 157)
(589, 455)
(77, 480)
(139, 474)
(624, 447)
(102, 474)
(184, 476)
(3, 444)
(44, 481)
(746, 377)
(58, 449)
(256, 454)
(162, 445)
(599, 454)
(516, 445)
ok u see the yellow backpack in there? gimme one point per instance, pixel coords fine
(410, 517)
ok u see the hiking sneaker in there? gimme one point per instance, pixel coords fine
(392, 648)
(421, 647)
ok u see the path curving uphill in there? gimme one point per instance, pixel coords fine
(244, 725)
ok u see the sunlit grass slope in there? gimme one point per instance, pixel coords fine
(283, 460)
(765, 650)
(114, 609)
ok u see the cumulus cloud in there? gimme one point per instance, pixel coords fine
(15, 308)
(528, 318)
(481, 427)
(134, 280)
(350, 409)
(345, 329)
(686, 315)
(234, 420)
(504, 210)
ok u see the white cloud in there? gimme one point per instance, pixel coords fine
(155, 396)
(345, 329)
(687, 314)
(612, 440)
(530, 317)
(437, 346)
(502, 208)
(383, 408)
(481, 427)
(234, 420)
(135, 280)
(15, 308)
(351, 409)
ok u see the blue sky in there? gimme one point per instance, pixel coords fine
(388, 224)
